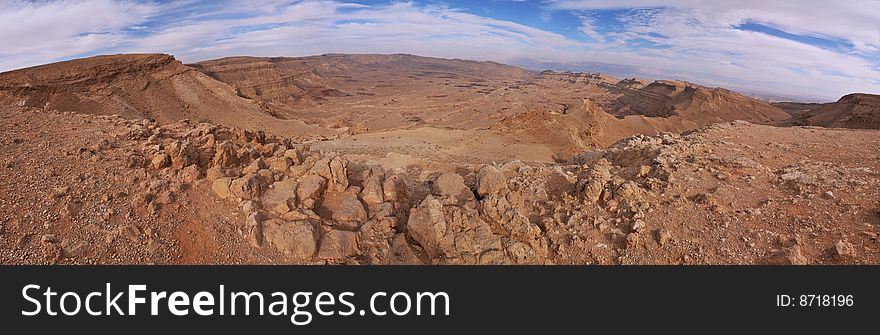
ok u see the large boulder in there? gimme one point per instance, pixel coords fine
(281, 195)
(182, 153)
(594, 183)
(345, 208)
(225, 155)
(452, 234)
(338, 244)
(309, 189)
(248, 187)
(452, 185)
(490, 180)
(392, 189)
(372, 193)
(297, 239)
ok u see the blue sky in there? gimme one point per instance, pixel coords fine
(814, 49)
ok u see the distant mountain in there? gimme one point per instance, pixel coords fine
(155, 86)
(857, 110)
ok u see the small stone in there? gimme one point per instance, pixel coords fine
(249, 206)
(638, 226)
(295, 216)
(663, 237)
(190, 173)
(828, 195)
(59, 192)
(160, 161)
(844, 250)
(281, 208)
(788, 256)
(254, 229)
(49, 238)
(74, 250)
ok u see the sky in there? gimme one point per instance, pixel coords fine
(817, 50)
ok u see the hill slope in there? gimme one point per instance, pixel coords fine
(153, 86)
(857, 111)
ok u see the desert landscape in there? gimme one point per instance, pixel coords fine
(402, 159)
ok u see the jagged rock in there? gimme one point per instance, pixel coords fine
(294, 155)
(221, 187)
(280, 164)
(372, 193)
(254, 229)
(310, 188)
(135, 161)
(452, 185)
(490, 180)
(214, 173)
(295, 216)
(268, 176)
(345, 208)
(508, 220)
(391, 189)
(594, 184)
(182, 154)
(402, 252)
(255, 166)
(225, 155)
(638, 225)
(190, 173)
(385, 209)
(281, 195)
(338, 244)
(451, 234)
(339, 173)
(628, 193)
(138, 132)
(297, 239)
(248, 187)
(160, 161)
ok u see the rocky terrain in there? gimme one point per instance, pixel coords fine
(858, 110)
(101, 168)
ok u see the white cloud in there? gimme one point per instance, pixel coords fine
(705, 46)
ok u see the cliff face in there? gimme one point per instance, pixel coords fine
(857, 110)
(154, 86)
(663, 98)
(284, 82)
(699, 103)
